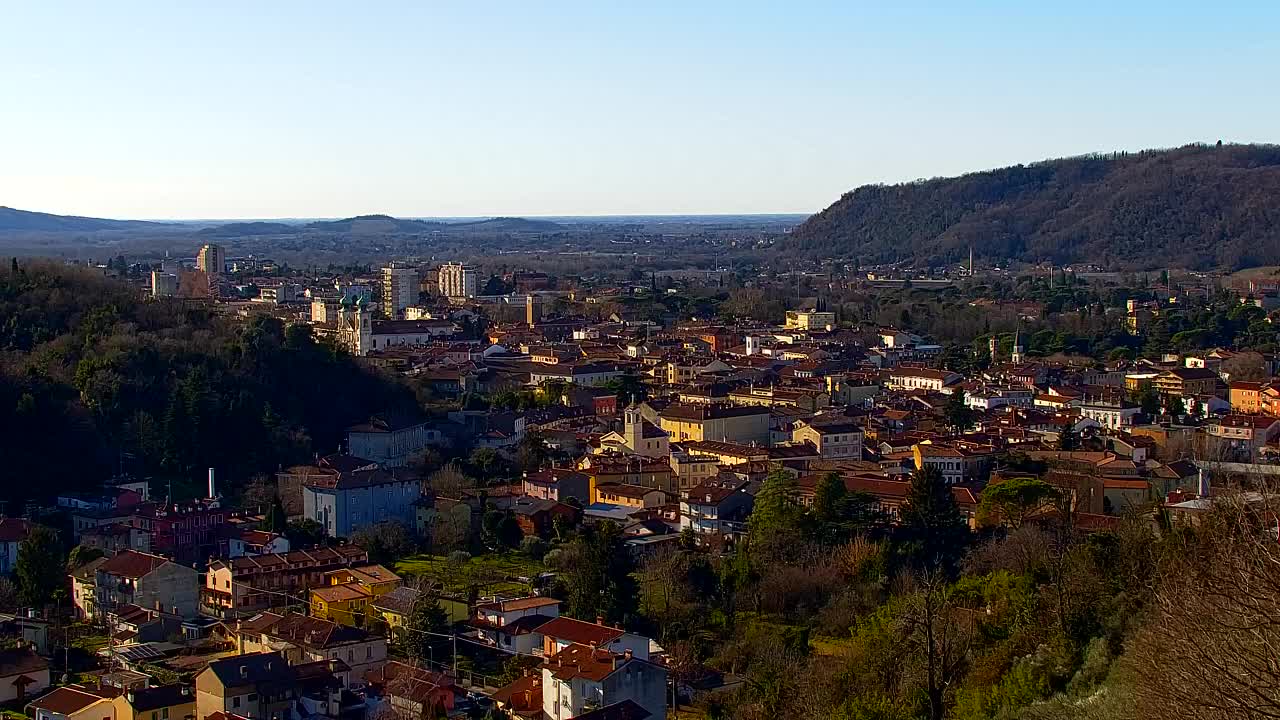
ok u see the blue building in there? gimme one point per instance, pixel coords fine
(349, 501)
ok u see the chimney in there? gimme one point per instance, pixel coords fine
(627, 654)
(213, 490)
(186, 691)
(600, 620)
(244, 671)
(1203, 486)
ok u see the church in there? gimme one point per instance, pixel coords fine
(638, 437)
(360, 334)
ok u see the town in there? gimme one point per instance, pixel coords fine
(628, 495)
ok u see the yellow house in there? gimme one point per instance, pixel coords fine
(70, 703)
(166, 702)
(688, 422)
(349, 592)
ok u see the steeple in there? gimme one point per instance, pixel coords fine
(1018, 349)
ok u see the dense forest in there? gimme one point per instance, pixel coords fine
(1195, 207)
(94, 379)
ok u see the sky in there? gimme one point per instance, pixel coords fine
(328, 109)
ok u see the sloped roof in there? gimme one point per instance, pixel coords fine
(132, 564)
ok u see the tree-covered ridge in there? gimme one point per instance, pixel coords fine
(1195, 207)
(92, 374)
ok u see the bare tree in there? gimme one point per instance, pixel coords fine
(939, 635)
(1210, 650)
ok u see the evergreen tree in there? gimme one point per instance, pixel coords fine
(959, 415)
(827, 495)
(277, 521)
(425, 618)
(775, 511)
(932, 533)
(40, 568)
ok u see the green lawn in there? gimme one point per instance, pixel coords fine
(493, 573)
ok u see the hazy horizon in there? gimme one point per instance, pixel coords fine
(307, 111)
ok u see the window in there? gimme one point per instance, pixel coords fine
(165, 714)
(235, 702)
(253, 697)
(153, 716)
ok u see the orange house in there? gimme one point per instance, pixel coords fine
(1246, 397)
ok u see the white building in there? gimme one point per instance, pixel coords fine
(921, 379)
(399, 289)
(810, 320)
(1112, 416)
(360, 334)
(163, 284)
(457, 280)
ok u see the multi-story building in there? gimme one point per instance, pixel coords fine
(388, 441)
(1184, 382)
(1240, 437)
(921, 379)
(810, 320)
(457, 280)
(348, 593)
(148, 581)
(246, 585)
(832, 439)
(163, 284)
(1246, 397)
(348, 501)
(259, 687)
(211, 260)
(301, 639)
(399, 290)
(582, 678)
(697, 422)
(1114, 415)
(716, 510)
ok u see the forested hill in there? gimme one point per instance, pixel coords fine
(1196, 207)
(90, 373)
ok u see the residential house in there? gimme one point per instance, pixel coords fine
(1183, 382)
(246, 585)
(164, 702)
(12, 532)
(538, 517)
(691, 468)
(394, 608)
(351, 501)
(1245, 397)
(955, 464)
(716, 510)
(300, 639)
(347, 593)
(513, 625)
(633, 496)
(84, 583)
(413, 692)
(389, 441)
(562, 632)
(1241, 437)
(583, 678)
(23, 674)
(187, 532)
(1114, 415)
(558, 484)
(148, 581)
(261, 686)
(832, 439)
(72, 703)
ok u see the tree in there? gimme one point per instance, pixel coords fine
(939, 636)
(1068, 439)
(41, 567)
(385, 541)
(775, 513)
(277, 521)
(597, 575)
(1012, 501)
(829, 491)
(931, 532)
(427, 620)
(1149, 401)
(81, 555)
(959, 415)
(305, 533)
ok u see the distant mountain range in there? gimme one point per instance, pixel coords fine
(1195, 207)
(12, 220)
(26, 221)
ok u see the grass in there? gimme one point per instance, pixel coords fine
(491, 574)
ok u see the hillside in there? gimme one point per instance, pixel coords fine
(250, 228)
(507, 224)
(14, 220)
(374, 224)
(1196, 207)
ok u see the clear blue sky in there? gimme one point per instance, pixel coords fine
(304, 109)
